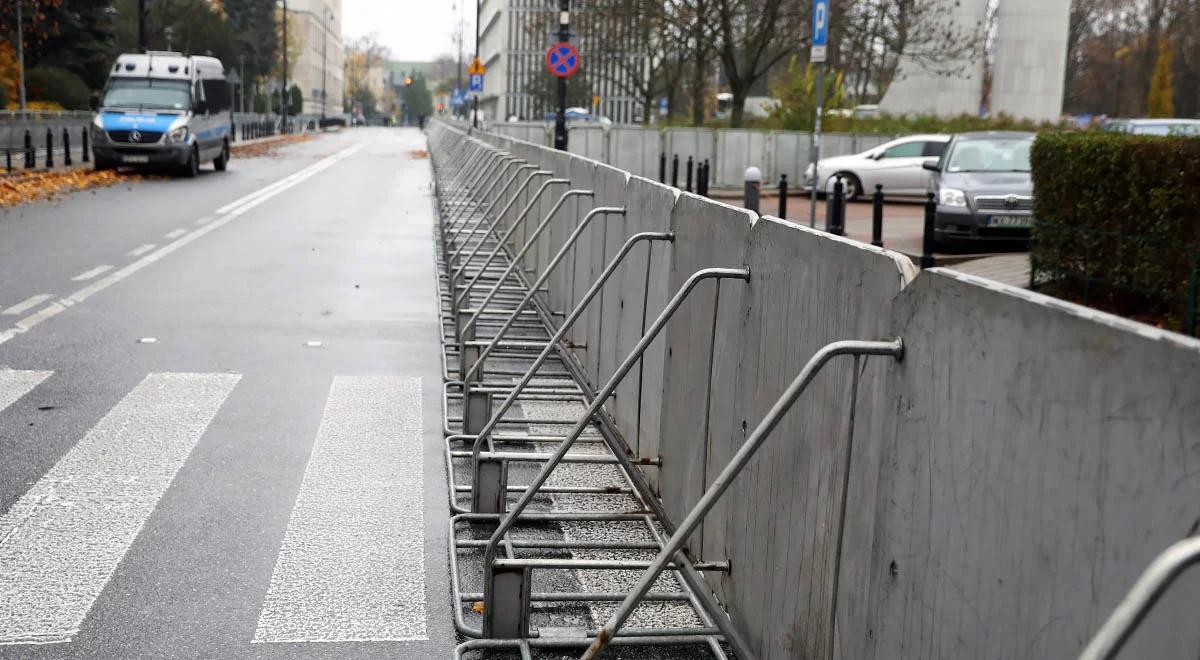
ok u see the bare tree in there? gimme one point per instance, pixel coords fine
(754, 36)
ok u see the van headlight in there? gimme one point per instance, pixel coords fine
(177, 135)
(952, 197)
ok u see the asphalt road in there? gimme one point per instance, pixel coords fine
(219, 413)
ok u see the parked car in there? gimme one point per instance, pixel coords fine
(1154, 126)
(896, 165)
(983, 188)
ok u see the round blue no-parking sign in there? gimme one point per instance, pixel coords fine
(562, 59)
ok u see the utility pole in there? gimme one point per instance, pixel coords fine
(283, 100)
(242, 82)
(21, 52)
(141, 9)
(560, 119)
(475, 113)
(458, 80)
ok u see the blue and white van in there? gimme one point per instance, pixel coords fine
(166, 110)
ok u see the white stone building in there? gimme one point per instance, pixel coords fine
(318, 72)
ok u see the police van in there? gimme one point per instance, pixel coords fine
(163, 109)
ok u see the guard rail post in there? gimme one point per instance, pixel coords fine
(751, 188)
(877, 216)
(783, 195)
(927, 244)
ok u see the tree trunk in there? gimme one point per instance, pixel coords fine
(738, 112)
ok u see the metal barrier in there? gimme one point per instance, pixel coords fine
(497, 324)
(1130, 612)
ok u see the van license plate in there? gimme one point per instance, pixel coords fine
(135, 159)
(1010, 221)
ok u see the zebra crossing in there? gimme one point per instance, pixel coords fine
(350, 567)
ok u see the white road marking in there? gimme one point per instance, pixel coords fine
(142, 249)
(16, 384)
(60, 542)
(313, 344)
(205, 220)
(45, 313)
(174, 234)
(148, 340)
(352, 564)
(91, 274)
(250, 201)
(28, 304)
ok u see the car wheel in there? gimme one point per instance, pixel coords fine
(221, 162)
(192, 168)
(851, 186)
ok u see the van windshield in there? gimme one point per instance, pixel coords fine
(145, 93)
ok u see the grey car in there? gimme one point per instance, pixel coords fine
(983, 188)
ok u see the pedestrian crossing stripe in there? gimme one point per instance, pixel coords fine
(61, 542)
(351, 565)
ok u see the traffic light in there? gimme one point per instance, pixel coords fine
(408, 81)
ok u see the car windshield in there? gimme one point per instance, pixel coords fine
(991, 155)
(147, 93)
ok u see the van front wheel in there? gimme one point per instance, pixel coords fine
(221, 162)
(192, 168)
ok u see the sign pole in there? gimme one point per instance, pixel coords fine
(560, 119)
(475, 112)
(820, 39)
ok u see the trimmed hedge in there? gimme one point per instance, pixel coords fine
(1118, 221)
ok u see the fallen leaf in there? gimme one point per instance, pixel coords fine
(477, 607)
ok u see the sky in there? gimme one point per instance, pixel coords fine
(414, 30)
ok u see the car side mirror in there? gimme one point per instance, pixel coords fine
(933, 165)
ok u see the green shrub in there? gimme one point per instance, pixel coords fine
(57, 86)
(1118, 221)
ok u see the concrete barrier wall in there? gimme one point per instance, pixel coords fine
(1036, 457)
(1009, 479)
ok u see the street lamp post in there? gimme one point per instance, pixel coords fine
(141, 9)
(326, 15)
(283, 100)
(475, 112)
(21, 53)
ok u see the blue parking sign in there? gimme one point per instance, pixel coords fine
(476, 83)
(820, 30)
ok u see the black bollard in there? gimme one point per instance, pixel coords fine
(751, 188)
(690, 165)
(675, 171)
(783, 193)
(877, 216)
(30, 154)
(66, 147)
(49, 148)
(927, 246)
(702, 186)
(662, 167)
(835, 223)
(8, 160)
(84, 147)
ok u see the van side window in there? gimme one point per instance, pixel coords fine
(218, 94)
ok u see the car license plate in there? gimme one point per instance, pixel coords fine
(1010, 221)
(135, 159)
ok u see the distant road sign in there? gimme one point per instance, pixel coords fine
(476, 67)
(476, 83)
(562, 59)
(820, 30)
(456, 98)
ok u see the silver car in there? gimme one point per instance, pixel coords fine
(895, 165)
(1154, 126)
